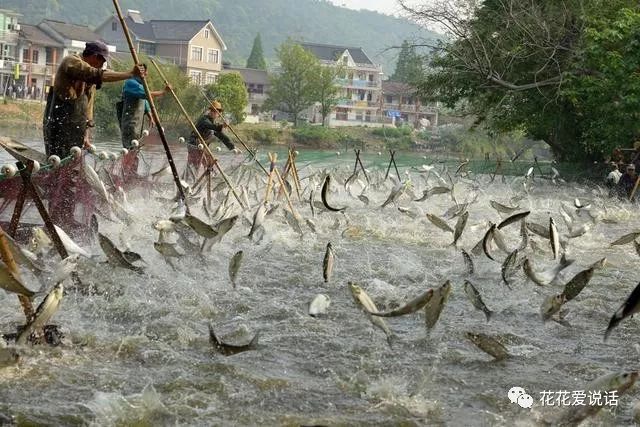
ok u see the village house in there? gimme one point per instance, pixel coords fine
(360, 83)
(257, 84)
(400, 105)
(9, 29)
(194, 46)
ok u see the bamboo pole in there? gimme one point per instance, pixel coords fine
(212, 159)
(154, 112)
(286, 194)
(7, 257)
(253, 154)
(635, 188)
(294, 173)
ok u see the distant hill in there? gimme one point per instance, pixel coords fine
(238, 21)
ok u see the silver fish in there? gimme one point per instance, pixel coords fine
(489, 345)
(410, 307)
(574, 286)
(323, 196)
(440, 223)
(498, 237)
(502, 208)
(525, 236)
(221, 228)
(311, 203)
(513, 218)
(234, 266)
(327, 263)
(507, 268)
(486, 241)
(70, 245)
(554, 238)
(538, 229)
(43, 314)
(468, 262)
(11, 283)
(167, 249)
(460, 224)
(200, 227)
(229, 349)
(627, 238)
(476, 299)
(361, 297)
(115, 256)
(599, 264)
(434, 306)
(528, 271)
(319, 305)
(628, 308)
(258, 219)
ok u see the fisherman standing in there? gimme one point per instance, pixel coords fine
(206, 126)
(68, 115)
(627, 181)
(133, 107)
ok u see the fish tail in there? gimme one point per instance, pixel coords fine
(612, 324)
(391, 338)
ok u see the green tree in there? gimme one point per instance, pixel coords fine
(256, 58)
(562, 71)
(326, 90)
(230, 90)
(409, 65)
(294, 89)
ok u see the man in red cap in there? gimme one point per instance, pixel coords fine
(68, 116)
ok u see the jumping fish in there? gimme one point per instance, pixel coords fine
(486, 241)
(574, 286)
(554, 238)
(551, 305)
(468, 262)
(502, 208)
(258, 219)
(508, 267)
(11, 283)
(115, 256)
(323, 196)
(234, 266)
(369, 306)
(43, 314)
(476, 299)
(202, 228)
(489, 345)
(538, 229)
(434, 306)
(627, 238)
(628, 308)
(69, 244)
(440, 223)
(327, 263)
(460, 224)
(410, 307)
(513, 218)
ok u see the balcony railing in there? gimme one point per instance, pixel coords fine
(410, 108)
(359, 83)
(358, 104)
(8, 37)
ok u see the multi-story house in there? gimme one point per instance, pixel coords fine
(401, 105)
(9, 28)
(39, 55)
(360, 83)
(257, 84)
(195, 46)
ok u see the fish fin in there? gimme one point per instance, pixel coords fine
(615, 320)
(488, 313)
(391, 339)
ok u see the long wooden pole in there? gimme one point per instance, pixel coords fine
(253, 154)
(635, 188)
(212, 159)
(152, 106)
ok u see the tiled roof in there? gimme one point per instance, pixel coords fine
(142, 31)
(36, 36)
(176, 30)
(250, 75)
(72, 31)
(397, 88)
(328, 52)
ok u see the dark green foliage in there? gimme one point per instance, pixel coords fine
(315, 134)
(230, 90)
(409, 65)
(392, 132)
(256, 58)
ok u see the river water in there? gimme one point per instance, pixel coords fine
(137, 350)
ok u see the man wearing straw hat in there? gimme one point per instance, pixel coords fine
(68, 116)
(206, 126)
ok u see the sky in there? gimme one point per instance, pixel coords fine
(389, 7)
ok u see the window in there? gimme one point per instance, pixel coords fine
(255, 109)
(260, 89)
(342, 114)
(148, 48)
(212, 56)
(195, 77)
(25, 55)
(196, 53)
(389, 99)
(367, 116)
(211, 78)
(359, 115)
(34, 56)
(206, 33)
(114, 26)
(345, 60)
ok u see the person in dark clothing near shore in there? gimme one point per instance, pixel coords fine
(627, 182)
(68, 115)
(206, 126)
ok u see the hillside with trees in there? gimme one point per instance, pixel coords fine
(239, 21)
